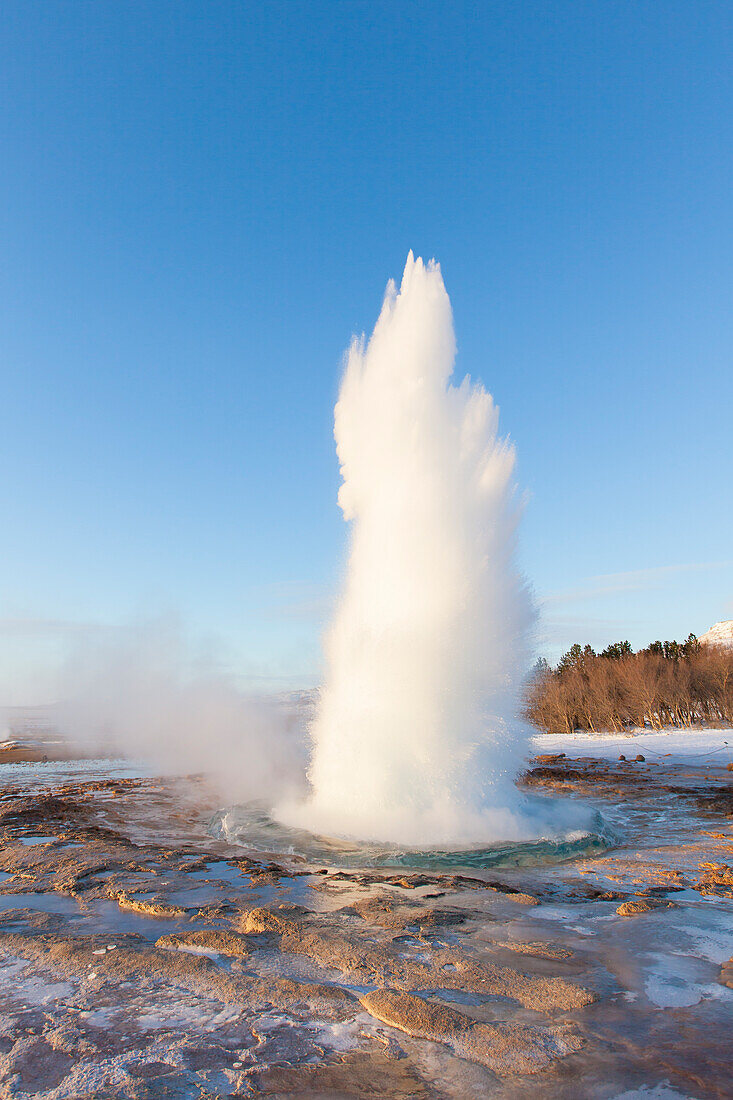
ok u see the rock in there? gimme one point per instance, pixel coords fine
(263, 920)
(716, 880)
(523, 899)
(635, 906)
(505, 1048)
(217, 941)
(539, 950)
(148, 908)
(622, 757)
(640, 758)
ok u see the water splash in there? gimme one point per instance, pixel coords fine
(417, 738)
(253, 827)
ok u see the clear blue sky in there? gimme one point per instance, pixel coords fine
(201, 202)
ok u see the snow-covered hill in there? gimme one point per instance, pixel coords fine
(719, 634)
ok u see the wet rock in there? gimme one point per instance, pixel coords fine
(719, 803)
(539, 950)
(215, 940)
(35, 1065)
(148, 908)
(70, 958)
(387, 912)
(362, 963)
(635, 906)
(507, 1049)
(260, 919)
(524, 899)
(371, 1075)
(716, 879)
(277, 1001)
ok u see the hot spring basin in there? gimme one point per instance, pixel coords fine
(253, 827)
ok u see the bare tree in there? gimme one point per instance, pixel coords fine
(666, 684)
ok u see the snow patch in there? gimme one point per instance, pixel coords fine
(711, 746)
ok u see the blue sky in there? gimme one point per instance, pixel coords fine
(200, 203)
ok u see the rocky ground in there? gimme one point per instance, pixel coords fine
(140, 957)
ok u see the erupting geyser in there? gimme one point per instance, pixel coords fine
(417, 737)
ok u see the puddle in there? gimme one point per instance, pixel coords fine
(221, 871)
(341, 1036)
(44, 903)
(36, 774)
(460, 997)
(169, 1016)
(104, 916)
(32, 840)
(107, 916)
(190, 897)
(225, 962)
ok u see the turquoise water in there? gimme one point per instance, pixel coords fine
(253, 827)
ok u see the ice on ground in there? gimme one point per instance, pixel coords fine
(707, 936)
(655, 1092)
(677, 982)
(160, 1017)
(343, 1035)
(32, 989)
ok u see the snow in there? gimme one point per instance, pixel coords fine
(710, 746)
(719, 634)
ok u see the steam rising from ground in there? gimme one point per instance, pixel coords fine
(416, 738)
(140, 693)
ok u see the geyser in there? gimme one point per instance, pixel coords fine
(417, 737)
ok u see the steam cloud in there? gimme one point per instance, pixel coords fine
(139, 693)
(416, 738)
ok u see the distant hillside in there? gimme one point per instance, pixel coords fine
(720, 634)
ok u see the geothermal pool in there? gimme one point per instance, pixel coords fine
(255, 828)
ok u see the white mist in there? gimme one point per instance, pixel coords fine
(417, 737)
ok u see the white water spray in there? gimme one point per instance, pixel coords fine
(417, 738)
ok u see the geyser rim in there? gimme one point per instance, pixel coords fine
(352, 854)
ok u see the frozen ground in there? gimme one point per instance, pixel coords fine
(142, 958)
(710, 746)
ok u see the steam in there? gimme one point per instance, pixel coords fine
(416, 738)
(139, 692)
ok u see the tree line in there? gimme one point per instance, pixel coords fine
(665, 684)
